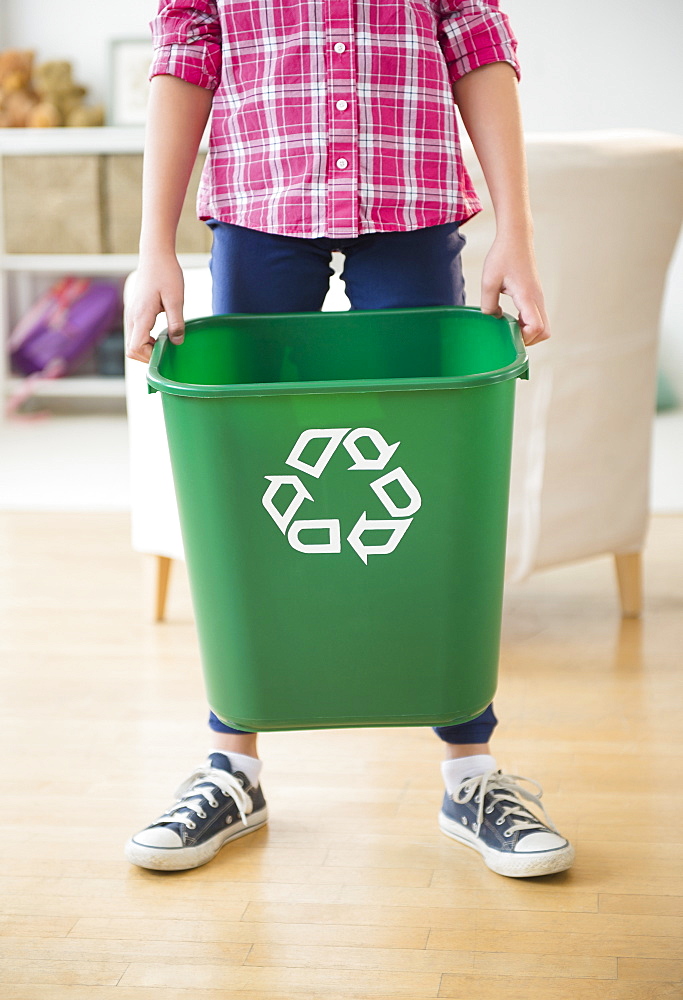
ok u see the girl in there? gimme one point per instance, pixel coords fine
(333, 127)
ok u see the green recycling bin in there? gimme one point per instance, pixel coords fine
(342, 481)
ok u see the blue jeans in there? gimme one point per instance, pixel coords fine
(256, 272)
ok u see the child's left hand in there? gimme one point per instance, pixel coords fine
(510, 269)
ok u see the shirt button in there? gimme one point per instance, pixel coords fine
(342, 105)
(342, 163)
(340, 47)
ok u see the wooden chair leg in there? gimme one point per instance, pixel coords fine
(629, 567)
(163, 572)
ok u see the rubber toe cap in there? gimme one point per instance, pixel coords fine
(534, 842)
(158, 836)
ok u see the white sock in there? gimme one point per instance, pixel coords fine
(455, 771)
(251, 766)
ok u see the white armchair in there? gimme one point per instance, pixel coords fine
(607, 209)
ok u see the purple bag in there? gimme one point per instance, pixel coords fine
(63, 324)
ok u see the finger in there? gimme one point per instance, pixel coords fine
(140, 342)
(545, 335)
(546, 325)
(531, 323)
(175, 321)
(143, 352)
(490, 298)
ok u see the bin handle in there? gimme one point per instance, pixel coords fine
(155, 357)
(519, 344)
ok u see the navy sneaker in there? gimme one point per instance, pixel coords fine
(213, 806)
(488, 813)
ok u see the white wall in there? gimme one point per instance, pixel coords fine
(593, 64)
(79, 30)
(586, 64)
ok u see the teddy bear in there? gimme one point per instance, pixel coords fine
(17, 96)
(60, 98)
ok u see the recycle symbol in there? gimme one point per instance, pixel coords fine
(400, 517)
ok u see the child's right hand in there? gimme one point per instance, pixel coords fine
(159, 287)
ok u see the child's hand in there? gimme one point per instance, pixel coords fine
(510, 268)
(158, 288)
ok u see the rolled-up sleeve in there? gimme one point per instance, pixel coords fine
(473, 33)
(187, 42)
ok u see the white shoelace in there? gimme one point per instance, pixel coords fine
(199, 786)
(503, 788)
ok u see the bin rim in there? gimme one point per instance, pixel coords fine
(519, 368)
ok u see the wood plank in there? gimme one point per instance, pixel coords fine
(56, 992)
(389, 959)
(545, 966)
(150, 906)
(651, 970)
(606, 944)
(377, 915)
(35, 926)
(92, 950)
(609, 902)
(64, 973)
(122, 892)
(344, 982)
(531, 988)
(279, 932)
(517, 896)
(567, 922)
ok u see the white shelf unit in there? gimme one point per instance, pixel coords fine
(69, 263)
(18, 267)
(75, 386)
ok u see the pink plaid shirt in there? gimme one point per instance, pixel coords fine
(332, 117)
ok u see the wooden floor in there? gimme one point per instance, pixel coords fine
(351, 891)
